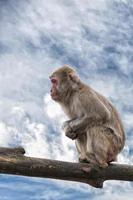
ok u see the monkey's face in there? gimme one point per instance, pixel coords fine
(63, 82)
(54, 92)
(59, 87)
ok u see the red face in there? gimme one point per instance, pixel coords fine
(54, 89)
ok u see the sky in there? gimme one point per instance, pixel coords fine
(38, 36)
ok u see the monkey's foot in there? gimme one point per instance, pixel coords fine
(103, 165)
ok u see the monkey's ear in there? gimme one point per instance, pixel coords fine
(73, 76)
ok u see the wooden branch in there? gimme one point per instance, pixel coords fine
(13, 161)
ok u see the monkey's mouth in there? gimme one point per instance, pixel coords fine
(54, 94)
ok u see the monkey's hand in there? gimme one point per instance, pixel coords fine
(68, 130)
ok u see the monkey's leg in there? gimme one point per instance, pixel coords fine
(104, 146)
(90, 156)
(81, 147)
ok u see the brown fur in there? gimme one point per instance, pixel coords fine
(94, 122)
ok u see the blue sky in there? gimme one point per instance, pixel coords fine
(36, 37)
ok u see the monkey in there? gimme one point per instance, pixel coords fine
(94, 122)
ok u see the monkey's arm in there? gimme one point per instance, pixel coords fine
(97, 114)
(75, 127)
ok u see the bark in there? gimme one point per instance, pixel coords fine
(13, 161)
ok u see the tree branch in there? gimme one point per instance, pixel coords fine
(13, 161)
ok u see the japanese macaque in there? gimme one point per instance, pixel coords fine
(94, 122)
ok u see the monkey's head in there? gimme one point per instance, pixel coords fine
(64, 81)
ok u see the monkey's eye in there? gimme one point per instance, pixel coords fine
(54, 80)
